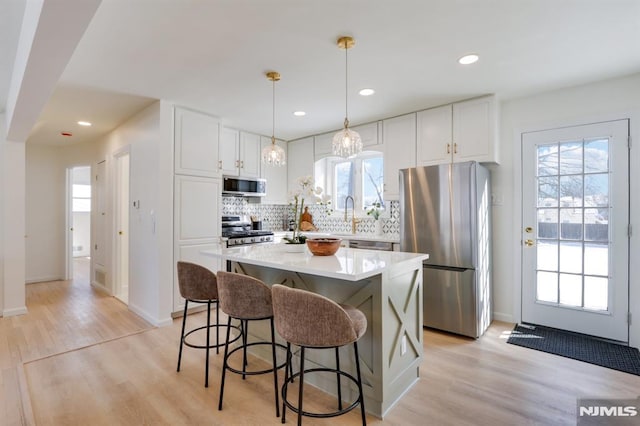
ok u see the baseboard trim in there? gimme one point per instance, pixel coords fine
(44, 279)
(100, 288)
(150, 319)
(15, 311)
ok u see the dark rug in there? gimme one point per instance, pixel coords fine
(577, 346)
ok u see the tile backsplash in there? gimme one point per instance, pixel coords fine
(275, 217)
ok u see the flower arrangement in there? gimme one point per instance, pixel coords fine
(310, 193)
(375, 210)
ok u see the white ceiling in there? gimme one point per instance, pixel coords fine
(212, 55)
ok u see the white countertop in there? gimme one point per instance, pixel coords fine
(344, 236)
(346, 264)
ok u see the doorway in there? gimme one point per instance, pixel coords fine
(122, 171)
(78, 236)
(575, 243)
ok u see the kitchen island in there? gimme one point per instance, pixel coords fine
(385, 286)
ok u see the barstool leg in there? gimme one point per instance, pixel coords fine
(217, 327)
(286, 381)
(244, 351)
(364, 417)
(301, 386)
(206, 367)
(338, 378)
(184, 322)
(224, 363)
(275, 366)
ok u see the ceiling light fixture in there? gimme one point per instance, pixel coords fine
(367, 92)
(84, 123)
(347, 142)
(469, 59)
(299, 113)
(273, 154)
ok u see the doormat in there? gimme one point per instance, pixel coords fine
(577, 346)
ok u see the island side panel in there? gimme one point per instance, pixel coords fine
(402, 330)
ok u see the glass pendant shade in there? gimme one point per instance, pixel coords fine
(347, 142)
(273, 155)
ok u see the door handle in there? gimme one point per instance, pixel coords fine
(119, 232)
(528, 243)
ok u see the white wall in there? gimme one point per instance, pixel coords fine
(45, 210)
(611, 99)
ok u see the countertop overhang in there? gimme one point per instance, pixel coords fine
(347, 264)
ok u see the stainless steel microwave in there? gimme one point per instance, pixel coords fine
(244, 187)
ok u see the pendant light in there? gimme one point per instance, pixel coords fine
(347, 142)
(273, 154)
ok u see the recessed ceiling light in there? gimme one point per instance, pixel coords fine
(84, 123)
(299, 113)
(367, 92)
(468, 59)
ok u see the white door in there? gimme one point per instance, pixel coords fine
(122, 228)
(575, 212)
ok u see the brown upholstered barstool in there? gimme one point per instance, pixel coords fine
(199, 285)
(309, 320)
(247, 299)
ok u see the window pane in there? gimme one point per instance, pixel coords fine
(81, 191)
(596, 190)
(571, 257)
(570, 158)
(571, 191)
(548, 192)
(547, 287)
(596, 259)
(571, 224)
(547, 254)
(343, 183)
(571, 289)
(596, 156)
(372, 181)
(548, 160)
(596, 295)
(81, 205)
(547, 223)
(596, 226)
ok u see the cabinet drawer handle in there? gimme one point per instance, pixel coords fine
(220, 164)
(455, 148)
(238, 164)
(242, 164)
(448, 148)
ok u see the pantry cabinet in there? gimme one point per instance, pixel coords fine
(300, 162)
(239, 153)
(463, 131)
(399, 141)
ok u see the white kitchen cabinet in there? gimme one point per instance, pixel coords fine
(196, 140)
(276, 176)
(239, 153)
(323, 143)
(300, 162)
(399, 140)
(463, 131)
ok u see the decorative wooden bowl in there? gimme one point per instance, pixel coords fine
(323, 246)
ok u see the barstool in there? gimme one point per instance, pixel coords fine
(247, 299)
(198, 285)
(309, 320)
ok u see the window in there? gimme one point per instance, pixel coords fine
(81, 198)
(360, 177)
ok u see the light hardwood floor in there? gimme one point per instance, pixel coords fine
(79, 357)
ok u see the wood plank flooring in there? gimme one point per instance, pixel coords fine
(124, 374)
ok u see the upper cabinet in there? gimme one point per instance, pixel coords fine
(299, 162)
(196, 139)
(464, 131)
(276, 176)
(399, 140)
(239, 153)
(368, 133)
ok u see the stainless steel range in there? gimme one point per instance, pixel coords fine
(238, 231)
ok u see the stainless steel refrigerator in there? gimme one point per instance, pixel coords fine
(445, 211)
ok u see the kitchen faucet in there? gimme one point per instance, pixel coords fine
(354, 221)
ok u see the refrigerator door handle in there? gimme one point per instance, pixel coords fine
(445, 268)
